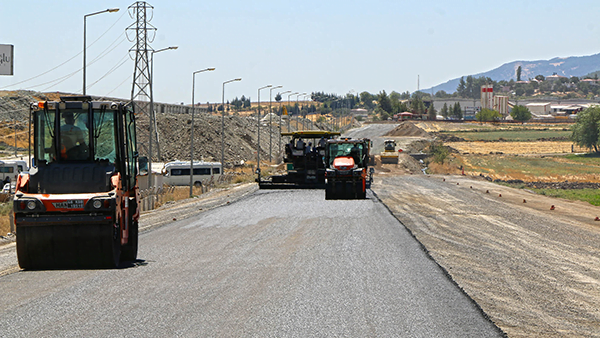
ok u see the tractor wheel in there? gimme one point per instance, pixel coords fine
(129, 250)
(328, 192)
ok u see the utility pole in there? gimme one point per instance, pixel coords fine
(141, 91)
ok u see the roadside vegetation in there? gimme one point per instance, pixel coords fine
(514, 135)
(554, 160)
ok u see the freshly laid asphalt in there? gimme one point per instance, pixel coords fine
(276, 263)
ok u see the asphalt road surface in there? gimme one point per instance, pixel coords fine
(273, 264)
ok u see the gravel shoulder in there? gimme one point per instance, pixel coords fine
(534, 271)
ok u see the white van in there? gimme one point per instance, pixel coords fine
(178, 173)
(9, 170)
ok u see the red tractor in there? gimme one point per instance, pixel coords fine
(347, 162)
(79, 204)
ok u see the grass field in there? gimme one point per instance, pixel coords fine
(511, 135)
(531, 169)
(591, 196)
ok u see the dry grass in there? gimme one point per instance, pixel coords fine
(4, 225)
(430, 126)
(513, 148)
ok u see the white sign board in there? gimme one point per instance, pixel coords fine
(6, 59)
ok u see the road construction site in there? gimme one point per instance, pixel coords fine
(461, 257)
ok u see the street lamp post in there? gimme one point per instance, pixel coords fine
(152, 117)
(223, 124)
(290, 115)
(192, 128)
(304, 99)
(280, 118)
(298, 109)
(270, 122)
(258, 132)
(110, 10)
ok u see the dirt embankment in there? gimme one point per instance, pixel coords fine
(408, 128)
(240, 136)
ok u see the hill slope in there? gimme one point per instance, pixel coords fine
(569, 66)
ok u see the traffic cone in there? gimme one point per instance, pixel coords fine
(552, 207)
(499, 195)
(524, 201)
(597, 218)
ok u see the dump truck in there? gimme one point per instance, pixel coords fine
(303, 160)
(389, 154)
(79, 204)
(347, 175)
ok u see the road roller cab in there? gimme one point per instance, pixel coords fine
(78, 205)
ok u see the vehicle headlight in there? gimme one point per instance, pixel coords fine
(31, 205)
(97, 204)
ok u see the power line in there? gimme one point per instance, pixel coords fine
(122, 62)
(62, 64)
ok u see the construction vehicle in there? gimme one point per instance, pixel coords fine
(389, 154)
(79, 204)
(347, 164)
(304, 161)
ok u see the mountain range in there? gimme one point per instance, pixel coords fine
(567, 66)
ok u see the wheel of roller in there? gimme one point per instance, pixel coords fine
(110, 254)
(22, 249)
(40, 247)
(129, 250)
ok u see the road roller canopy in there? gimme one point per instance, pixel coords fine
(75, 129)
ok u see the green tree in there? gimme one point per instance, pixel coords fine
(384, 102)
(587, 128)
(438, 152)
(442, 94)
(461, 86)
(278, 97)
(367, 99)
(520, 113)
(519, 73)
(457, 112)
(431, 115)
(444, 110)
(487, 115)
(540, 77)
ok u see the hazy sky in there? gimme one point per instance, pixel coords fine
(330, 46)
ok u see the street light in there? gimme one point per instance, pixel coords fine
(152, 117)
(223, 124)
(290, 115)
(270, 121)
(304, 99)
(192, 130)
(280, 118)
(258, 131)
(110, 10)
(298, 108)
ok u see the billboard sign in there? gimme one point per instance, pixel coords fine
(6, 59)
